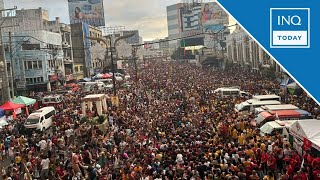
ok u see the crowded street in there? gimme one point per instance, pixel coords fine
(169, 124)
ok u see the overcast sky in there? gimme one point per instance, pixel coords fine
(148, 16)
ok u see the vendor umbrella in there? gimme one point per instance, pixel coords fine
(106, 75)
(23, 100)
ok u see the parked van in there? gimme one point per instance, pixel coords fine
(51, 100)
(272, 97)
(282, 115)
(274, 127)
(230, 91)
(40, 119)
(89, 86)
(250, 105)
(275, 108)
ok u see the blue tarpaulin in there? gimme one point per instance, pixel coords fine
(1, 113)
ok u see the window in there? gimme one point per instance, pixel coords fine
(35, 64)
(34, 80)
(50, 114)
(40, 64)
(76, 69)
(81, 68)
(30, 46)
(29, 66)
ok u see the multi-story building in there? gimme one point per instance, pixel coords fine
(1, 62)
(164, 45)
(174, 24)
(135, 39)
(245, 52)
(37, 64)
(84, 65)
(35, 30)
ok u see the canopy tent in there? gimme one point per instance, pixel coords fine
(23, 100)
(85, 79)
(106, 75)
(10, 106)
(98, 76)
(308, 129)
(286, 82)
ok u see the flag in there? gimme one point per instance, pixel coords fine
(277, 117)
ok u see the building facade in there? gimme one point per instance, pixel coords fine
(37, 64)
(84, 65)
(245, 52)
(135, 39)
(174, 24)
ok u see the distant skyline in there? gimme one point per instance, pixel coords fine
(147, 16)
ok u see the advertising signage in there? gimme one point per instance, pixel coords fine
(87, 11)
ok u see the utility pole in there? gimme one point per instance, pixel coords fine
(12, 82)
(134, 52)
(5, 84)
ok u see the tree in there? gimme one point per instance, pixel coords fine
(98, 52)
(123, 49)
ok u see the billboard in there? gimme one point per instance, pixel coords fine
(86, 11)
(213, 20)
(213, 14)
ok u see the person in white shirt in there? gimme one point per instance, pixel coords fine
(43, 144)
(45, 162)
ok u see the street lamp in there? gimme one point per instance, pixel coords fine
(112, 47)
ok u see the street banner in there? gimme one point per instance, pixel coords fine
(286, 30)
(86, 11)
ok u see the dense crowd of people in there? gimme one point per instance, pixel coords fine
(169, 125)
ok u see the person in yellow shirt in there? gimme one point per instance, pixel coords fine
(235, 134)
(241, 139)
(18, 158)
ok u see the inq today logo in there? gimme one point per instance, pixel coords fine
(289, 27)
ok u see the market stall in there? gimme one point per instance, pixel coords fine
(305, 135)
(10, 106)
(24, 101)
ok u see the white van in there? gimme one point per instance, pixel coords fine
(275, 108)
(88, 86)
(250, 105)
(230, 91)
(270, 97)
(40, 119)
(272, 127)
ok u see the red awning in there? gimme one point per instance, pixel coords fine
(10, 106)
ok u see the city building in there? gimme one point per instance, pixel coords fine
(245, 52)
(135, 39)
(37, 65)
(84, 65)
(164, 45)
(31, 28)
(174, 24)
(1, 62)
